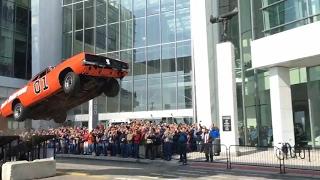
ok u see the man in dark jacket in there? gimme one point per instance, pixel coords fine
(182, 145)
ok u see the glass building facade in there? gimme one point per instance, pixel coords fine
(258, 19)
(15, 39)
(153, 36)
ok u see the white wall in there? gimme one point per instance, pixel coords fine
(46, 27)
(297, 47)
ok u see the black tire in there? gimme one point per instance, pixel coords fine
(61, 118)
(71, 83)
(111, 88)
(19, 112)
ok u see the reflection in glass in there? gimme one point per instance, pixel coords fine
(78, 16)
(126, 96)
(101, 40)
(139, 63)
(154, 94)
(182, 4)
(183, 24)
(113, 104)
(167, 27)
(102, 104)
(78, 42)
(67, 18)
(140, 95)
(184, 57)
(113, 37)
(67, 45)
(20, 52)
(139, 8)
(89, 40)
(168, 62)
(126, 10)
(7, 14)
(113, 11)
(167, 5)
(184, 92)
(169, 92)
(126, 56)
(88, 12)
(139, 37)
(153, 61)
(126, 35)
(153, 30)
(153, 7)
(101, 12)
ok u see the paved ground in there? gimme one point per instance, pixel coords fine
(78, 169)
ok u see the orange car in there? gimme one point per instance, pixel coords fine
(55, 90)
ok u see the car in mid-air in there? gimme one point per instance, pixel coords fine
(55, 90)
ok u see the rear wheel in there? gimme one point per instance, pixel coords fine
(19, 112)
(111, 88)
(71, 83)
(61, 118)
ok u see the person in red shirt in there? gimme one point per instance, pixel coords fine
(136, 142)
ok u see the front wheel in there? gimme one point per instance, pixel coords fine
(19, 112)
(111, 88)
(71, 83)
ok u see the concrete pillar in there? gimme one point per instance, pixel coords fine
(202, 35)
(93, 114)
(281, 106)
(228, 113)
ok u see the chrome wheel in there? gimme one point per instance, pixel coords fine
(68, 82)
(17, 111)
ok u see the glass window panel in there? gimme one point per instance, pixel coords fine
(89, 13)
(167, 27)
(102, 104)
(140, 95)
(139, 8)
(184, 92)
(67, 18)
(8, 14)
(139, 30)
(314, 72)
(153, 63)
(101, 12)
(6, 50)
(101, 39)
(153, 7)
(113, 37)
(126, 35)
(67, 2)
(168, 62)
(78, 42)
(169, 94)
(167, 5)
(20, 55)
(139, 63)
(126, 96)
(114, 55)
(113, 104)
(77, 1)
(183, 24)
(67, 45)
(89, 40)
(184, 58)
(182, 4)
(126, 56)
(126, 10)
(154, 94)
(78, 16)
(22, 19)
(113, 11)
(153, 30)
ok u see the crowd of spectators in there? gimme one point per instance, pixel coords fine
(126, 140)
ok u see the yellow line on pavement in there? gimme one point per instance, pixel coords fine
(81, 174)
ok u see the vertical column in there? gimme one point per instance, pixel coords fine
(281, 106)
(93, 114)
(228, 113)
(203, 39)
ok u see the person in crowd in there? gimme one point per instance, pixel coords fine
(150, 147)
(208, 146)
(136, 142)
(168, 140)
(182, 145)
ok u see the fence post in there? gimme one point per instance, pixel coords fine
(229, 154)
